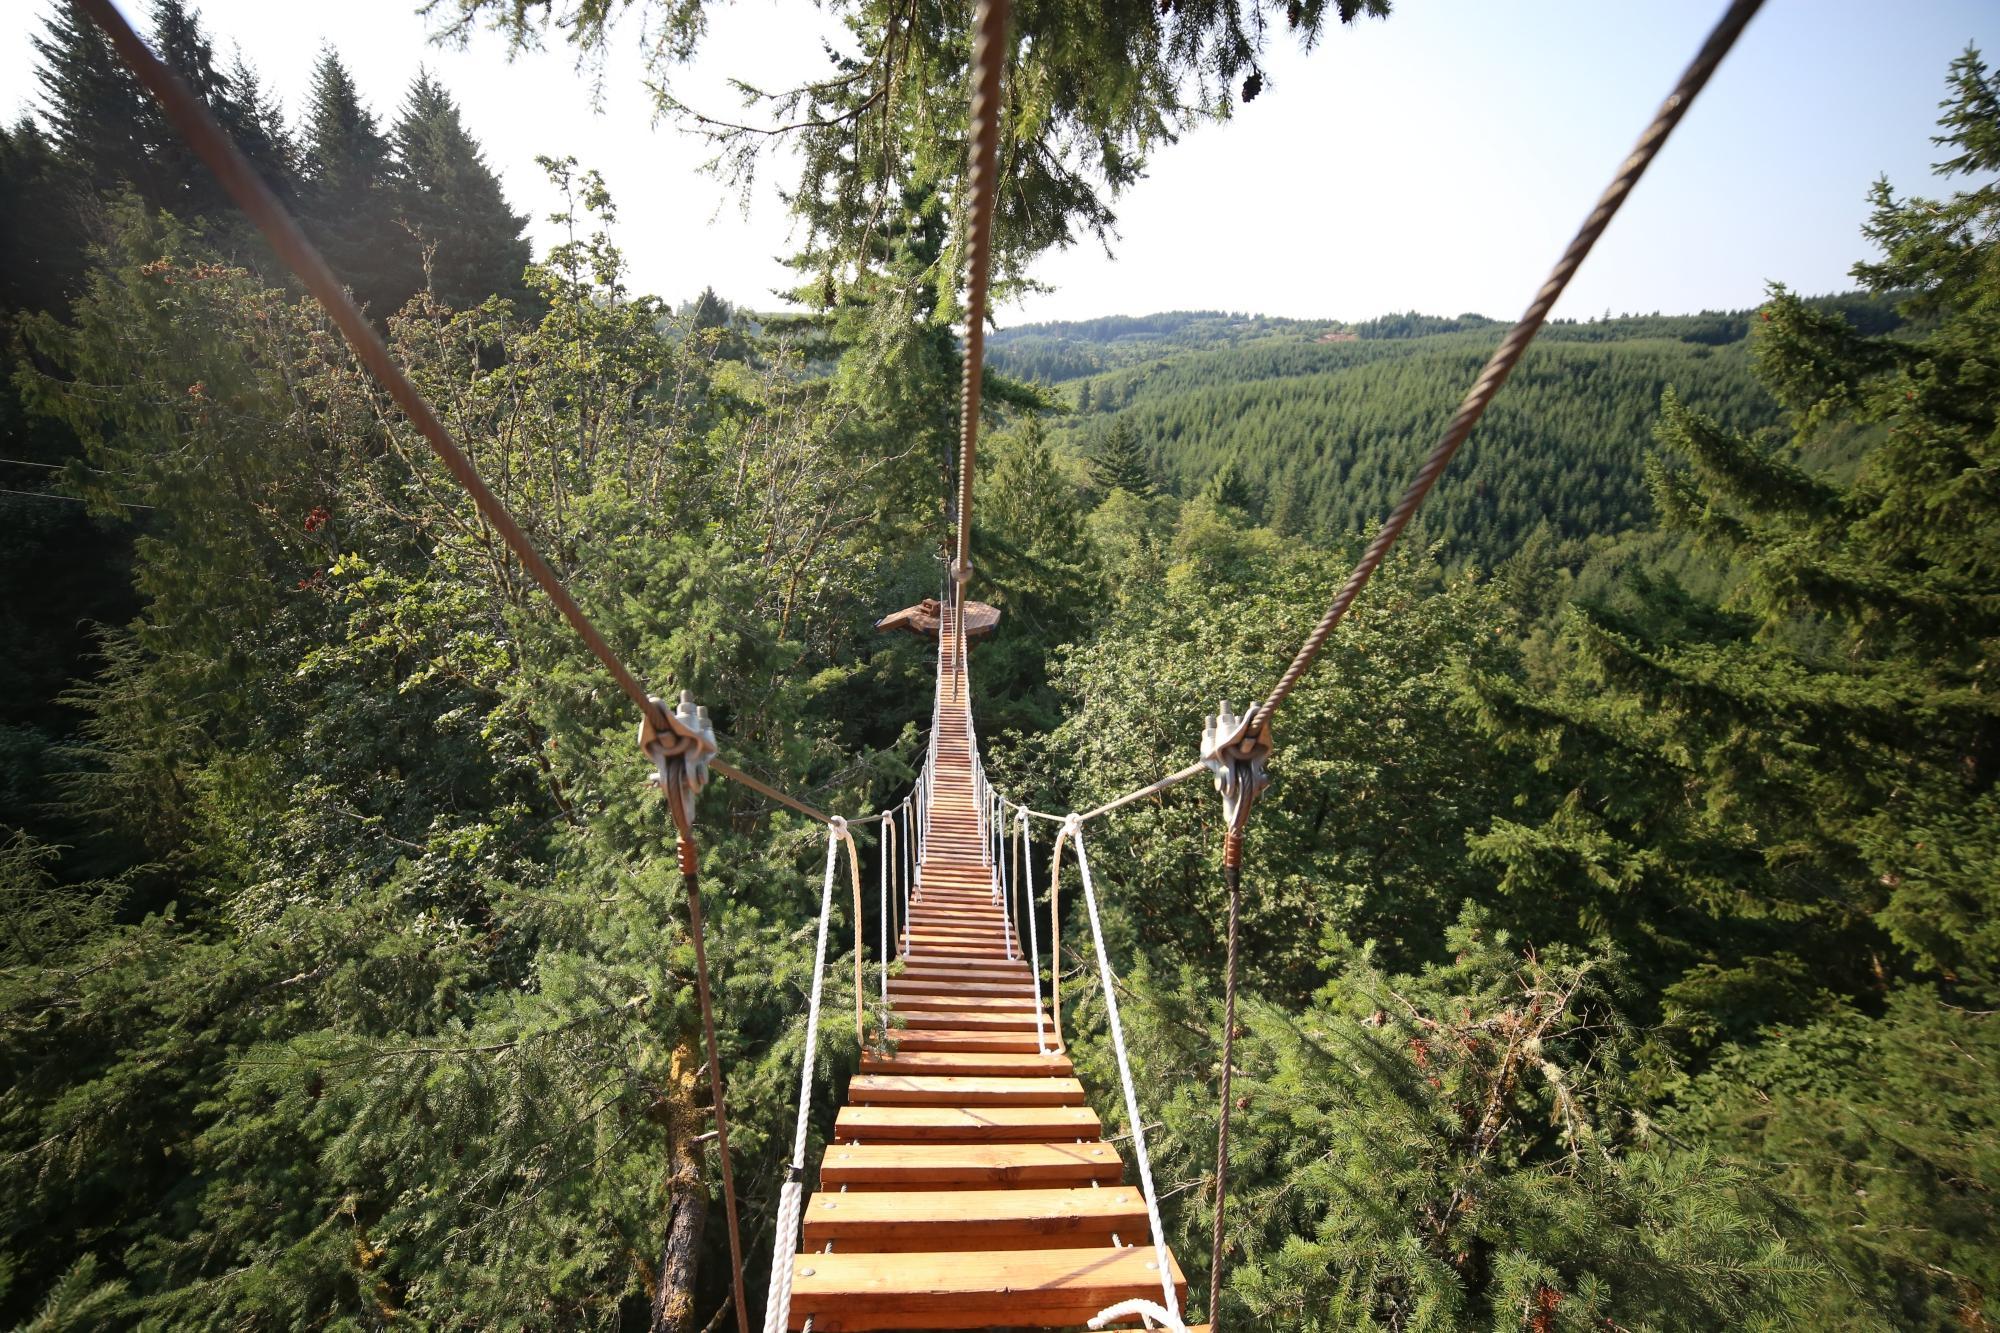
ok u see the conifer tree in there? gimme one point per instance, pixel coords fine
(257, 123)
(185, 186)
(101, 120)
(451, 200)
(1231, 489)
(1790, 792)
(1119, 463)
(1287, 516)
(350, 202)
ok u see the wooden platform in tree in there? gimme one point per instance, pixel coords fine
(968, 1185)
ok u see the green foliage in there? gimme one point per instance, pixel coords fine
(1453, 1148)
(416, 1038)
(1119, 463)
(1363, 832)
(1335, 428)
(1782, 798)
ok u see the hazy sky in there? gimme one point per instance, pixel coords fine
(1434, 161)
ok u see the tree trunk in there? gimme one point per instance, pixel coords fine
(687, 1213)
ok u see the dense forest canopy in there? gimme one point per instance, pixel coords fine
(1619, 930)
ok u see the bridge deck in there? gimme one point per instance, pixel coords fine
(968, 1185)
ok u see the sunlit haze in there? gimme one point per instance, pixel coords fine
(1434, 161)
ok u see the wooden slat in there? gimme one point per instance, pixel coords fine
(901, 986)
(964, 1039)
(965, 1218)
(995, 1020)
(945, 1090)
(966, 1124)
(922, 969)
(842, 1293)
(915, 1165)
(999, 1063)
(969, 1002)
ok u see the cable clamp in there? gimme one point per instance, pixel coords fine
(681, 749)
(1236, 756)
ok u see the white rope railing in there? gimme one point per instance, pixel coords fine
(1073, 829)
(1145, 1309)
(778, 1304)
(1001, 895)
(1027, 845)
(909, 869)
(888, 919)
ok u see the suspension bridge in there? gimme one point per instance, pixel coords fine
(968, 1183)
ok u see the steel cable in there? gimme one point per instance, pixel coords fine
(989, 53)
(1727, 29)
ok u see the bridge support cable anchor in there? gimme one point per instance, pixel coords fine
(1236, 754)
(681, 752)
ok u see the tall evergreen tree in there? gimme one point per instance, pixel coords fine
(257, 123)
(1785, 800)
(185, 186)
(1119, 462)
(451, 200)
(349, 188)
(99, 117)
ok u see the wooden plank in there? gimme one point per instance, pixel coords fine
(965, 1124)
(945, 1090)
(915, 1165)
(964, 1039)
(1009, 1063)
(844, 1293)
(967, 985)
(992, 1020)
(970, 969)
(968, 1002)
(967, 1218)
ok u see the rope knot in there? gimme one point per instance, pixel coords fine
(839, 826)
(1072, 823)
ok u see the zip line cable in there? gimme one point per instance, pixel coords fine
(989, 53)
(1727, 29)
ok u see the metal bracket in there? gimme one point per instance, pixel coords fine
(680, 752)
(1236, 756)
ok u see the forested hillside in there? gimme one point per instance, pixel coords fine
(1313, 437)
(1618, 947)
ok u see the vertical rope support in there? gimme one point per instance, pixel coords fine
(1055, 927)
(1160, 1257)
(908, 870)
(778, 1305)
(679, 801)
(888, 901)
(839, 831)
(1232, 879)
(989, 53)
(1002, 883)
(1027, 846)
